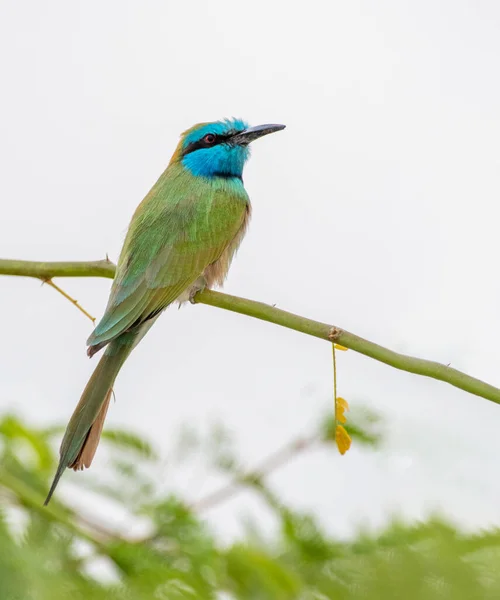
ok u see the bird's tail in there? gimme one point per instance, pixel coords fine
(85, 426)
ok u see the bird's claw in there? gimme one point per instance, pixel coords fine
(193, 293)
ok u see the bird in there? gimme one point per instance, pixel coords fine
(181, 240)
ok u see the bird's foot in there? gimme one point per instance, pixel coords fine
(189, 293)
(198, 286)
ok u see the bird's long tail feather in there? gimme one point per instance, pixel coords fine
(84, 428)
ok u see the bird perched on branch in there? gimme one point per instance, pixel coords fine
(181, 239)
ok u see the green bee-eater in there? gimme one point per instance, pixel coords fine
(181, 239)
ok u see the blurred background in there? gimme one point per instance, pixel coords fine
(376, 210)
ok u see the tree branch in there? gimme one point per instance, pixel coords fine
(251, 477)
(265, 312)
(47, 270)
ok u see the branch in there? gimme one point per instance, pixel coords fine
(50, 283)
(47, 270)
(265, 312)
(254, 476)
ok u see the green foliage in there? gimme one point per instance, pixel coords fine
(54, 554)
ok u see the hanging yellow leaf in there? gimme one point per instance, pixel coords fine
(343, 439)
(341, 402)
(340, 407)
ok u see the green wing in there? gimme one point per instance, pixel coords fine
(183, 225)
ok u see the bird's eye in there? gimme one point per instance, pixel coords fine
(209, 138)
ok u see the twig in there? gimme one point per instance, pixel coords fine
(269, 313)
(273, 461)
(68, 297)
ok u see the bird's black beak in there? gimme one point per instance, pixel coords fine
(243, 138)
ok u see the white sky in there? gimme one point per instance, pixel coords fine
(376, 210)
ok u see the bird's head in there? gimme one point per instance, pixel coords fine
(218, 149)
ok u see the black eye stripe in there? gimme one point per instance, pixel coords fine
(199, 144)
